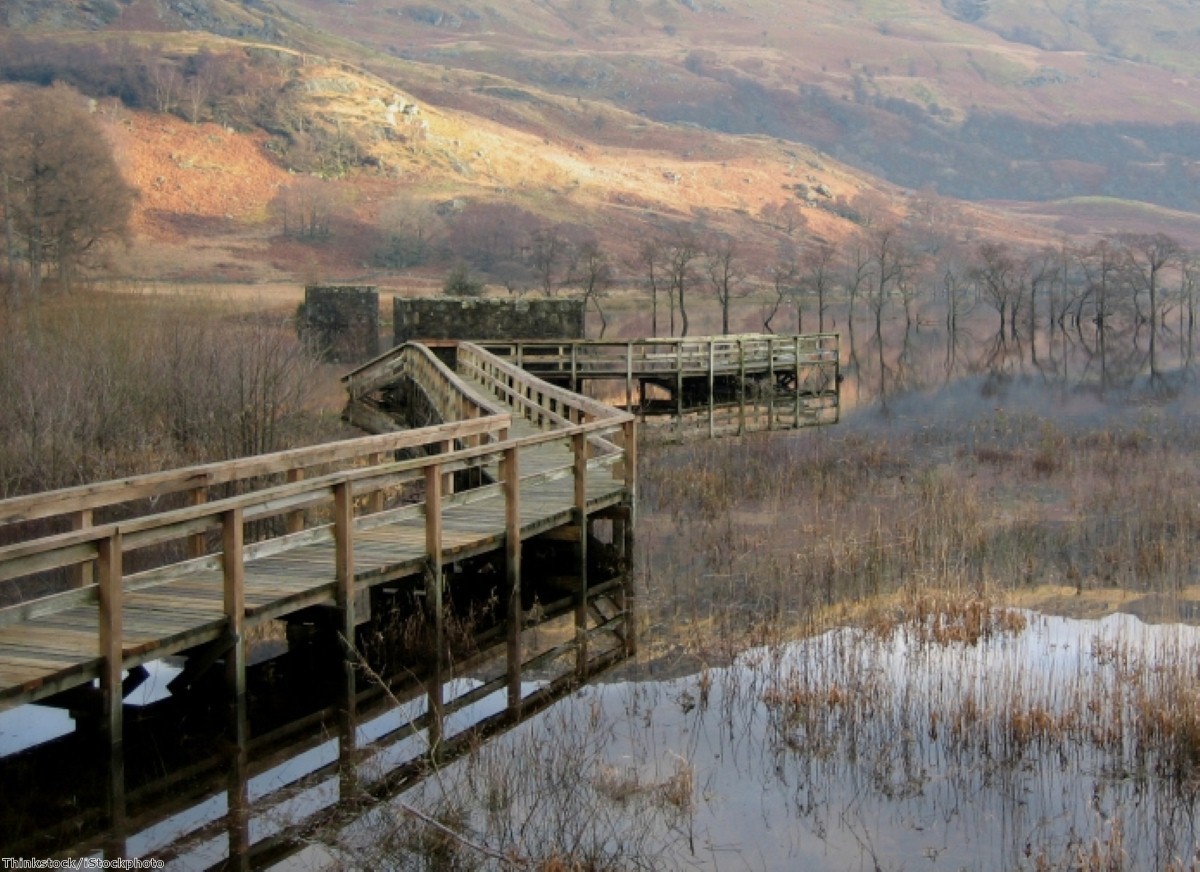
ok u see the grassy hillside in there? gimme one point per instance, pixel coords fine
(620, 119)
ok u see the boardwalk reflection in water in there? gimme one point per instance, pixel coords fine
(208, 786)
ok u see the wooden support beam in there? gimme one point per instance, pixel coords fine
(343, 545)
(629, 436)
(627, 598)
(741, 388)
(579, 445)
(712, 375)
(233, 571)
(770, 384)
(238, 791)
(511, 470)
(115, 840)
(796, 378)
(433, 598)
(628, 376)
(679, 385)
(108, 565)
(348, 784)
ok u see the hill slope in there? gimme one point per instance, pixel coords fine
(621, 118)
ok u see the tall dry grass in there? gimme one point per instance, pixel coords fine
(98, 386)
(748, 540)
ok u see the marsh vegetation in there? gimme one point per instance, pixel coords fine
(879, 645)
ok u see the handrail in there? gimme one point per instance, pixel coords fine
(495, 370)
(156, 484)
(81, 546)
(590, 358)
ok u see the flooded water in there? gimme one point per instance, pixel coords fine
(1040, 743)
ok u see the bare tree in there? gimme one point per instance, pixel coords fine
(785, 280)
(682, 253)
(888, 265)
(723, 266)
(958, 295)
(786, 217)
(1189, 281)
(650, 258)
(548, 250)
(488, 233)
(167, 85)
(591, 271)
(410, 226)
(820, 277)
(1146, 257)
(305, 208)
(1001, 281)
(63, 195)
(1101, 266)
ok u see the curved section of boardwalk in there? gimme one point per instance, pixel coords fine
(232, 545)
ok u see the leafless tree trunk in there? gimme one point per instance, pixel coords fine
(684, 250)
(725, 275)
(649, 255)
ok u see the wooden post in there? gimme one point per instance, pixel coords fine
(81, 574)
(111, 630)
(837, 378)
(628, 600)
(770, 384)
(196, 545)
(375, 498)
(343, 543)
(712, 369)
(238, 791)
(433, 598)
(679, 384)
(575, 367)
(447, 447)
(741, 388)
(511, 470)
(116, 839)
(629, 376)
(295, 520)
(796, 379)
(234, 583)
(629, 433)
(343, 560)
(579, 445)
(108, 562)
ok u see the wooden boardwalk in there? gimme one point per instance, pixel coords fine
(192, 561)
(329, 523)
(716, 385)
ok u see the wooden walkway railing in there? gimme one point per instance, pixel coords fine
(329, 522)
(799, 375)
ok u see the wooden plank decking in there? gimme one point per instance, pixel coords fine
(52, 652)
